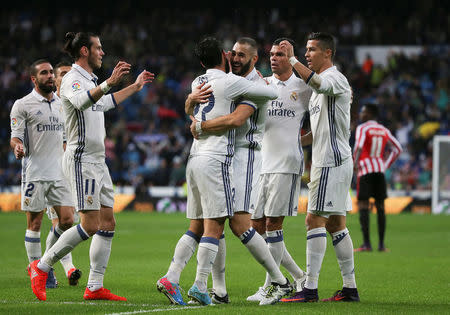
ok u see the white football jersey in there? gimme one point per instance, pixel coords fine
(39, 124)
(251, 133)
(85, 122)
(281, 148)
(329, 112)
(227, 88)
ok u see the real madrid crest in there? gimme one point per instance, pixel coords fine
(294, 96)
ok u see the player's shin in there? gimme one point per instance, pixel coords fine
(316, 245)
(99, 254)
(65, 244)
(343, 247)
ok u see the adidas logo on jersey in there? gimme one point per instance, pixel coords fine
(39, 112)
(329, 204)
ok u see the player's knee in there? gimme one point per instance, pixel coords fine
(66, 222)
(35, 225)
(274, 224)
(259, 225)
(108, 224)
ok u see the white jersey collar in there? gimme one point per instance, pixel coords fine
(252, 74)
(328, 69)
(42, 98)
(84, 73)
(278, 81)
(216, 71)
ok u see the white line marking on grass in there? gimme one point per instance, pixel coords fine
(157, 310)
(80, 303)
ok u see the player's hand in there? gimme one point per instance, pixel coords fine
(201, 94)
(120, 70)
(287, 48)
(261, 76)
(18, 151)
(192, 127)
(228, 57)
(143, 78)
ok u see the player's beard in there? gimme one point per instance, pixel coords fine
(244, 68)
(44, 87)
(92, 63)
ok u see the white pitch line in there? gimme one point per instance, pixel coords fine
(157, 310)
(78, 303)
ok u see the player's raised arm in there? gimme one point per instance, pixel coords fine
(143, 78)
(312, 74)
(120, 70)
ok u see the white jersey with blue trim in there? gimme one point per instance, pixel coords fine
(227, 89)
(281, 149)
(85, 122)
(251, 133)
(329, 112)
(39, 124)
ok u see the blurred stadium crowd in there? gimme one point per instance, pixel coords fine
(148, 139)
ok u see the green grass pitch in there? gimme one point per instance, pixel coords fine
(414, 278)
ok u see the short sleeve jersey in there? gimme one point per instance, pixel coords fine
(329, 112)
(85, 122)
(281, 149)
(372, 138)
(227, 88)
(39, 124)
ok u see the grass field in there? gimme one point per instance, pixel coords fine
(414, 278)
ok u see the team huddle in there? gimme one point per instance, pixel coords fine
(245, 165)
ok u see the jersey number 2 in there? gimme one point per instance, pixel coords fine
(207, 108)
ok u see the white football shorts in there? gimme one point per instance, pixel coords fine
(37, 195)
(209, 188)
(246, 170)
(90, 183)
(329, 189)
(278, 195)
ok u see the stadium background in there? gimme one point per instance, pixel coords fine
(148, 138)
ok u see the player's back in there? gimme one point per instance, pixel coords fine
(371, 138)
(226, 88)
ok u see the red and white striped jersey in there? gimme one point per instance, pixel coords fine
(371, 139)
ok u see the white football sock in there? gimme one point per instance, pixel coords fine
(316, 245)
(260, 251)
(65, 244)
(99, 253)
(206, 255)
(275, 243)
(218, 269)
(52, 237)
(184, 250)
(291, 266)
(67, 263)
(343, 246)
(33, 245)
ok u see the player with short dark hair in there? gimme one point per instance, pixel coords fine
(37, 136)
(370, 163)
(331, 168)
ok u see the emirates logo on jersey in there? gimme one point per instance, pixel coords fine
(294, 96)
